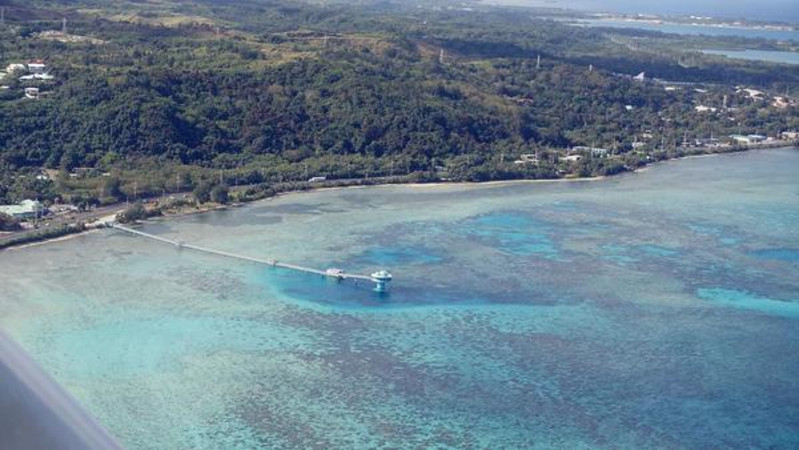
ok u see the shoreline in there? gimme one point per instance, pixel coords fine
(696, 21)
(413, 185)
(649, 166)
(65, 237)
(437, 184)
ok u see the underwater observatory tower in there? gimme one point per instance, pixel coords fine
(381, 279)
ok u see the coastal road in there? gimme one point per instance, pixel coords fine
(66, 219)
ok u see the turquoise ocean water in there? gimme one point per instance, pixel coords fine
(657, 309)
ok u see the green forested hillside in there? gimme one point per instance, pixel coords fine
(274, 90)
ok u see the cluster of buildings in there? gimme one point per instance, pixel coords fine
(578, 153)
(777, 101)
(754, 95)
(573, 154)
(746, 139)
(34, 209)
(31, 72)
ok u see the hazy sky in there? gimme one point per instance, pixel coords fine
(785, 10)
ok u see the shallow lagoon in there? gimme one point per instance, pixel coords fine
(648, 310)
(695, 29)
(758, 55)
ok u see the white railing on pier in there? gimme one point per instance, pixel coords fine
(269, 262)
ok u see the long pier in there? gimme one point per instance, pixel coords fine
(330, 273)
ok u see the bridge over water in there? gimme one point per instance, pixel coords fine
(380, 278)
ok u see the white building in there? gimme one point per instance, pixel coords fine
(37, 67)
(703, 108)
(527, 158)
(37, 77)
(748, 139)
(594, 151)
(32, 92)
(707, 142)
(754, 94)
(780, 102)
(14, 68)
(27, 209)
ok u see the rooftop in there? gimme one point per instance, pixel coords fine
(26, 207)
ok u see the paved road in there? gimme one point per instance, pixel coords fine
(88, 216)
(58, 221)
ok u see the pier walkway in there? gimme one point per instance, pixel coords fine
(331, 273)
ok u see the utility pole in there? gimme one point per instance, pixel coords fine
(441, 57)
(64, 25)
(538, 62)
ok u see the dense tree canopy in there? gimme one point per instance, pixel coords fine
(277, 91)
